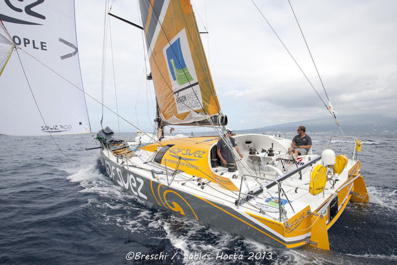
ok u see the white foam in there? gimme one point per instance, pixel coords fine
(255, 246)
(383, 197)
(376, 257)
(93, 181)
(155, 224)
(83, 173)
(199, 251)
(178, 242)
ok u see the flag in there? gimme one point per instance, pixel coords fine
(331, 108)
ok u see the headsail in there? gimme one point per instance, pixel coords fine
(41, 90)
(6, 47)
(182, 79)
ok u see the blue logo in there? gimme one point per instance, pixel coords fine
(274, 201)
(179, 71)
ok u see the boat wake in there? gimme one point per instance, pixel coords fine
(376, 257)
(150, 230)
(384, 197)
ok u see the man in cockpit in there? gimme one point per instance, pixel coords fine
(223, 151)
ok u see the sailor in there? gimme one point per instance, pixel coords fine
(223, 151)
(301, 143)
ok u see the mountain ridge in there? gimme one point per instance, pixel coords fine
(367, 122)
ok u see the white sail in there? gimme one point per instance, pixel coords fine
(6, 47)
(41, 90)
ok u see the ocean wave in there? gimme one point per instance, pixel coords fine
(384, 197)
(367, 142)
(198, 244)
(376, 257)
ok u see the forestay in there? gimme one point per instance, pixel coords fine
(41, 90)
(184, 88)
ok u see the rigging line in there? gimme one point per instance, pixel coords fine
(155, 62)
(145, 59)
(205, 66)
(88, 95)
(213, 176)
(143, 75)
(151, 98)
(318, 73)
(315, 66)
(307, 46)
(208, 37)
(222, 134)
(217, 190)
(210, 176)
(148, 99)
(8, 58)
(176, 55)
(37, 104)
(285, 47)
(201, 19)
(114, 73)
(165, 35)
(104, 59)
(238, 159)
(11, 42)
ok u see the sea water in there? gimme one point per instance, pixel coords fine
(57, 206)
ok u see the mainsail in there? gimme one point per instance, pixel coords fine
(41, 89)
(182, 80)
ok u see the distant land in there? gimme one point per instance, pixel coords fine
(367, 122)
(348, 123)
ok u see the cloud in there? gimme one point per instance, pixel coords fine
(352, 42)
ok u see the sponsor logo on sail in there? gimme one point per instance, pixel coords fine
(182, 74)
(177, 65)
(29, 13)
(56, 128)
(28, 9)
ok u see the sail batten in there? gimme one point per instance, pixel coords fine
(41, 87)
(183, 84)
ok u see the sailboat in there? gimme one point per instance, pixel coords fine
(268, 197)
(265, 195)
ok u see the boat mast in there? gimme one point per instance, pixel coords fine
(159, 123)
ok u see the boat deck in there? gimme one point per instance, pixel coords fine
(295, 187)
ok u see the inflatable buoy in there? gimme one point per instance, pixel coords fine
(318, 179)
(340, 164)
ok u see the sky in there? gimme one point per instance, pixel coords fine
(353, 44)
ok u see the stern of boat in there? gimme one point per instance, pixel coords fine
(313, 191)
